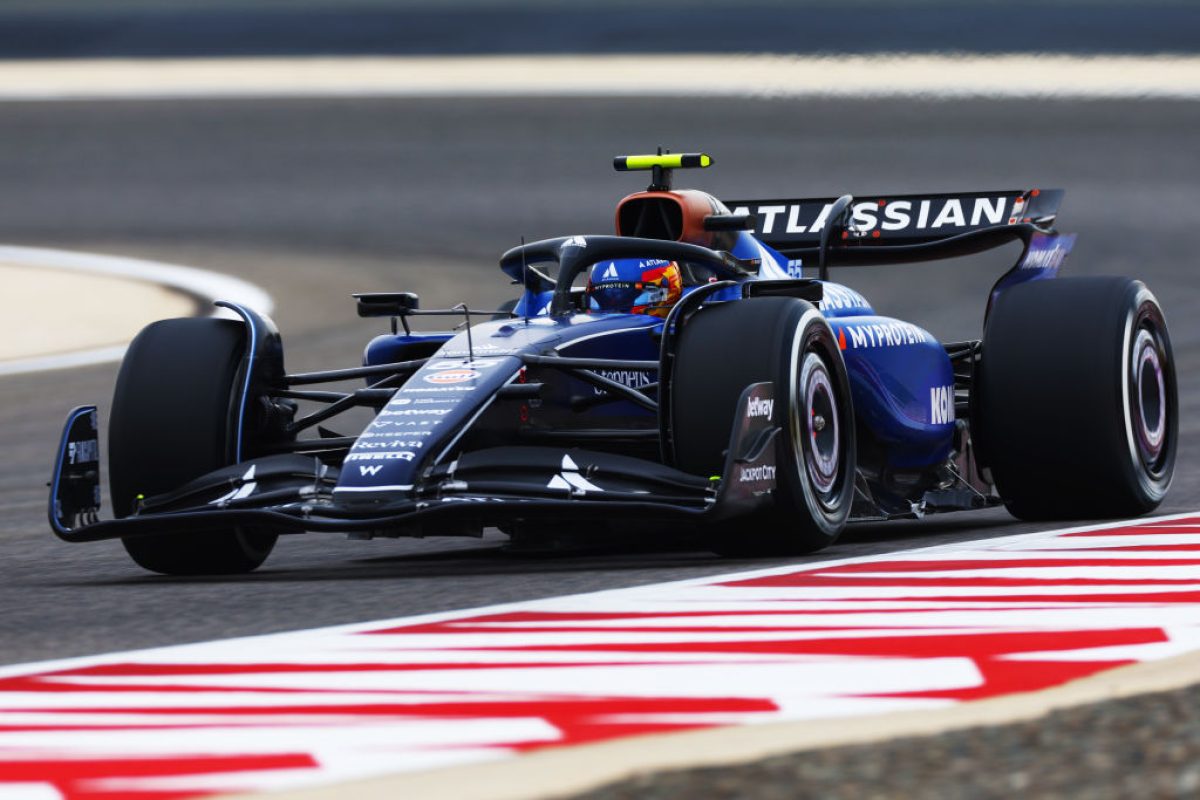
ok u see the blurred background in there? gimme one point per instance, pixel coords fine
(85, 28)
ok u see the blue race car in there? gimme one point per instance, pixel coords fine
(682, 372)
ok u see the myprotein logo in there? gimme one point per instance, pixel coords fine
(760, 407)
(941, 405)
(883, 334)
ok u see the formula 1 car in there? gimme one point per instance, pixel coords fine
(760, 408)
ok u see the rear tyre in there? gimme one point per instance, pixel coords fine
(1076, 407)
(171, 422)
(726, 347)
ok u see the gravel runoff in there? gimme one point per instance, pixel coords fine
(1137, 747)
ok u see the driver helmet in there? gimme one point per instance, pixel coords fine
(634, 286)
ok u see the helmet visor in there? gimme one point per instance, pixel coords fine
(624, 296)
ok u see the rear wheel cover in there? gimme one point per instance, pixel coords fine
(1151, 415)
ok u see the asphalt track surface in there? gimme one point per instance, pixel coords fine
(314, 199)
(121, 28)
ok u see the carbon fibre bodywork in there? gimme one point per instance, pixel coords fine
(551, 413)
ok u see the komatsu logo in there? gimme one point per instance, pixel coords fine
(759, 407)
(941, 405)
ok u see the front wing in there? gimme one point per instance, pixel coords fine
(295, 493)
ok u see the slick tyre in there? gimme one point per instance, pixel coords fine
(1075, 409)
(170, 423)
(722, 349)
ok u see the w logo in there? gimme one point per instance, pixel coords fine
(371, 470)
(571, 480)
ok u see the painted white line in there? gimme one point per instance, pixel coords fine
(795, 643)
(205, 285)
(643, 75)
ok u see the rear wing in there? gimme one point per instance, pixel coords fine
(848, 231)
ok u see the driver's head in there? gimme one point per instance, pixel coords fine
(634, 286)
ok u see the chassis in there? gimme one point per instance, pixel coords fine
(765, 412)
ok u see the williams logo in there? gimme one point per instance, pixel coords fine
(760, 407)
(571, 480)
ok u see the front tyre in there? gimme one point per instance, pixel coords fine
(171, 422)
(1076, 406)
(723, 349)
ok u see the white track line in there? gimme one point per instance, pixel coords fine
(208, 286)
(457, 689)
(642, 75)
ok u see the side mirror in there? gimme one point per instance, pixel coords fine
(387, 304)
(729, 222)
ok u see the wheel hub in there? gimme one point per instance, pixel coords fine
(1149, 397)
(821, 457)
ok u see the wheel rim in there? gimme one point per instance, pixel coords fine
(1148, 398)
(820, 427)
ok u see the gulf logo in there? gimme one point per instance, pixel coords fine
(452, 376)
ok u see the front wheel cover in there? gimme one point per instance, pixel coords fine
(820, 447)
